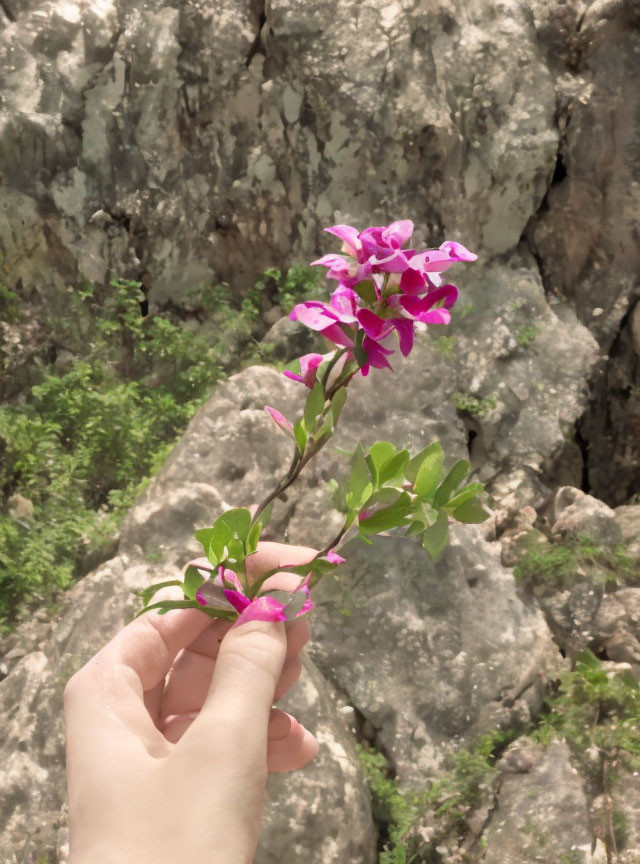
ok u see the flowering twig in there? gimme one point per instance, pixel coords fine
(385, 291)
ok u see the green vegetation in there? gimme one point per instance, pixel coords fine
(445, 345)
(79, 446)
(526, 334)
(598, 714)
(472, 405)
(464, 787)
(286, 289)
(562, 564)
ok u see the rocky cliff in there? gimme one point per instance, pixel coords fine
(183, 144)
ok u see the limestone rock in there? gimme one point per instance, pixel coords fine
(428, 653)
(295, 823)
(577, 513)
(541, 812)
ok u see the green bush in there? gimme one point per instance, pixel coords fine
(75, 450)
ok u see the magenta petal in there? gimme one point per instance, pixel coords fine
(346, 233)
(398, 233)
(374, 326)
(394, 262)
(229, 576)
(336, 334)
(237, 600)
(412, 282)
(293, 376)
(334, 558)
(458, 252)
(435, 316)
(405, 335)
(280, 420)
(437, 261)
(333, 261)
(262, 609)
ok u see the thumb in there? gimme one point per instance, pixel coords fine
(246, 674)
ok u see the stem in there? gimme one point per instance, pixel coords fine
(287, 480)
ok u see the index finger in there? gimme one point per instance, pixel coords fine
(270, 556)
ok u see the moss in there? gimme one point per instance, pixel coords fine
(526, 334)
(561, 564)
(469, 404)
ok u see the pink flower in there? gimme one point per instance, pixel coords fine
(280, 420)
(308, 368)
(334, 558)
(261, 608)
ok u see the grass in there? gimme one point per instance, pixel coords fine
(79, 446)
(563, 564)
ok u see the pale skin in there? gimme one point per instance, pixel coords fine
(171, 732)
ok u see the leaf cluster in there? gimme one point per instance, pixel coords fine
(388, 488)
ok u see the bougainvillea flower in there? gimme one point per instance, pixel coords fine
(334, 558)
(346, 272)
(280, 420)
(458, 252)
(261, 608)
(376, 355)
(334, 320)
(308, 370)
(382, 241)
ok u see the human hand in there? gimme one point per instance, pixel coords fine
(171, 733)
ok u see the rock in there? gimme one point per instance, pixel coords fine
(291, 340)
(467, 655)
(628, 520)
(541, 812)
(635, 328)
(332, 783)
(577, 513)
(625, 795)
(617, 626)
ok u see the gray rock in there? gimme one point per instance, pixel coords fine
(541, 812)
(294, 823)
(577, 513)
(467, 655)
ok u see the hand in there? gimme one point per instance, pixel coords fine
(171, 733)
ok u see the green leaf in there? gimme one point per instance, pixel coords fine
(358, 351)
(253, 538)
(337, 404)
(366, 290)
(359, 480)
(326, 430)
(238, 521)
(313, 406)
(392, 470)
(192, 581)
(451, 482)
(377, 456)
(300, 434)
(413, 465)
(465, 494)
(393, 516)
(470, 512)
(430, 473)
(436, 537)
(148, 593)
(165, 605)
